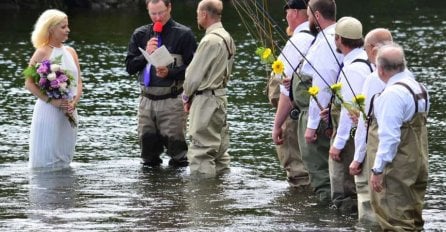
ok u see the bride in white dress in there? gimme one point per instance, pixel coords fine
(52, 138)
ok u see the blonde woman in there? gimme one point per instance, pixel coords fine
(52, 138)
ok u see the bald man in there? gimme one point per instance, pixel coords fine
(372, 85)
(398, 143)
(204, 93)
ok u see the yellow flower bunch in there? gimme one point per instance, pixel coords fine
(336, 90)
(313, 91)
(336, 87)
(359, 102)
(359, 99)
(265, 55)
(278, 67)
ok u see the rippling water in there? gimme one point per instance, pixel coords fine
(107, 189)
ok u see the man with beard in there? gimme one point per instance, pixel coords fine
(204, 93)
(349, 41)
(284, 131)
(319, 69)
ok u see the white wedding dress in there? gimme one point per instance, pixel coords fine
(52, 139)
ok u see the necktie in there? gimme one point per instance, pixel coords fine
(146, 74)
(148, 67)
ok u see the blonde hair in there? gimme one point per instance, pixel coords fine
(47, 20)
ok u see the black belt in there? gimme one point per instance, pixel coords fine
(174, 93)
(199, 92)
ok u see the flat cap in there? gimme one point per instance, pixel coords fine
(296, 4)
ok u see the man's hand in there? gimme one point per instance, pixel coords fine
(354, 115)
(186, 106)
(152, 45)
(310, 135)
(355, 168)
(335, 153)
(376, 182)
(286, 83)
(324, 114)
(277, 135)
(162, 71)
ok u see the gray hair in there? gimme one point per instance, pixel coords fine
(391, 58)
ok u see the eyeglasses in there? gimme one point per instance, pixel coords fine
(160, 13)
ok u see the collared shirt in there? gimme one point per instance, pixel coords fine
(355, 75)
(394, 107)
(177, 38)
(372, 85)
(321, 57)
(291, 54)
(210, 68)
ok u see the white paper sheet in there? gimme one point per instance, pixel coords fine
(160, 57)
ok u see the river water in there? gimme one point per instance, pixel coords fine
(107, 188)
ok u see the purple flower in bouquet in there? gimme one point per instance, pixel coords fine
(44, 67)
(54, 81)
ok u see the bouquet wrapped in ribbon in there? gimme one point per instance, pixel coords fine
(53, 81)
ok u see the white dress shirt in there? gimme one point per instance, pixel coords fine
(392, 108)
(321, 57)
(355, 75)
(372, 85)
(290, 55)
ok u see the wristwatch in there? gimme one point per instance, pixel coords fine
(185, 98)
(376, 172)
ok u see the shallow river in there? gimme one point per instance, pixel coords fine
(108, 189)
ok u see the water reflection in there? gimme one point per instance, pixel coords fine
(108, 190)
(50, 190)
(51, 195)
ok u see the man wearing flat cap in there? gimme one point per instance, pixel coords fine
(356, 68)
(284, 131)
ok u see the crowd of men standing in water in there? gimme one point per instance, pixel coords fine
(367, 155)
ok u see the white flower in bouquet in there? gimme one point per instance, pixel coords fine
(52, 76)
(63, 86)
(55, 67)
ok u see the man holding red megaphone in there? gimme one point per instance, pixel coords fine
(161, 119)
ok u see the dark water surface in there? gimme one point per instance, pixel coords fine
(107, 189)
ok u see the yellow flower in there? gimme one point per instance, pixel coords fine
(336, 87)
(359, 99)
(278, 67)
(266, 53)
(313, 90)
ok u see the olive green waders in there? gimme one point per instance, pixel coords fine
(398, 207)
(343, 190)
(209, 134)
(314, 155)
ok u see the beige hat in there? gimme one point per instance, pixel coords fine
(349, 27)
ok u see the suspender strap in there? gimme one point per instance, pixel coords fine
(416, 97)
(307, 32)
(369, 116)
(227, 46)
(364, 61)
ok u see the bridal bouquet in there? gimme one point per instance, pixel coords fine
(54, 81)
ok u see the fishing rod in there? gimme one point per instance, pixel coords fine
(298, 50)
(331, 50)
(287, 60)
(341, 71)
(254, 15)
